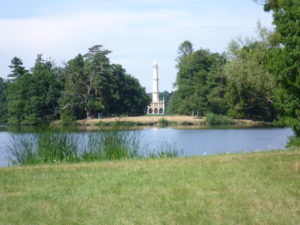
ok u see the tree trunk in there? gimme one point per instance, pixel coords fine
(87, 111)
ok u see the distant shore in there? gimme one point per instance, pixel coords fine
(167, 120)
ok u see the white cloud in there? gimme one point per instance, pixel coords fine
(135, 37)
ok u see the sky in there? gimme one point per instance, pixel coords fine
(136, 31)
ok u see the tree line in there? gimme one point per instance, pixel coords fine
(257, 78)
(236, 83)
(87, 86)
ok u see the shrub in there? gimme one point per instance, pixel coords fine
(67, 118)
(214, 119)
(164, 123)
(294, 142)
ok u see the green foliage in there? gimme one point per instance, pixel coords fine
(58, 146)
(67, 117)
(33, 97)
(166, 97)
(214, 119)
(284, 60)
(294, 142)
(184, 49)
(164, 123)
(111, 145)
(17, 69)
(239, 84)
(45, 146)
(124, 124)
(200, 83)
(3, 101)
(250, 86)
(95, 86)
(86, 87)
(133, 100)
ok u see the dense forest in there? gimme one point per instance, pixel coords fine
(87, 86)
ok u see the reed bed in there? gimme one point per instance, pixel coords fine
(59, 146)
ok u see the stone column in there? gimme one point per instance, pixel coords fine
(155, 91)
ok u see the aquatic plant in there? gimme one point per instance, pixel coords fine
(164, 150)
(111, 144)
(47, 146)
(22, 150)
(59, 145)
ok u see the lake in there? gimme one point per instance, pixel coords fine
(189, 142)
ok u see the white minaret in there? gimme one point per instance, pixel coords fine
(156, 106)
(155, 92)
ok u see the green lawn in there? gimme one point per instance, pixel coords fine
(256, 188)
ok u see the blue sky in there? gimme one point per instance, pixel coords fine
(136, 31)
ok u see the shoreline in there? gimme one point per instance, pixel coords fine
(164, 121)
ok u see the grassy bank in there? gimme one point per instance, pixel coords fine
(255, 188)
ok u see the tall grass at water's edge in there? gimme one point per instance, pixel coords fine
(110, 145)
(44, 147)
(56, 146)
(214, 119)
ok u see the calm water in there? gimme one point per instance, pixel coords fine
(192, 142)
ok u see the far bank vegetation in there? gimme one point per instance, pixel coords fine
(255, 78)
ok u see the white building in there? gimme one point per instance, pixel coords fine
(156, 106)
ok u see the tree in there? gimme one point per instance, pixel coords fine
(250, 86)
(285, 59)
(216, 84)
(134, 97)
(184, 49)
(165, 95)
(33, 97)
(94, 86)
(126, 94)
(198, 78)
(3, 101)
(86, 75)
(16, 67)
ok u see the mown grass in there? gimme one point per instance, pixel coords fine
(255, 188)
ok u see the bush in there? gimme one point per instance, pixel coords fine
(164, 123)
(294, 142)
(214, 119)
(67, 118)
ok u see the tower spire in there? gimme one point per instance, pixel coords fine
(155, 91)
